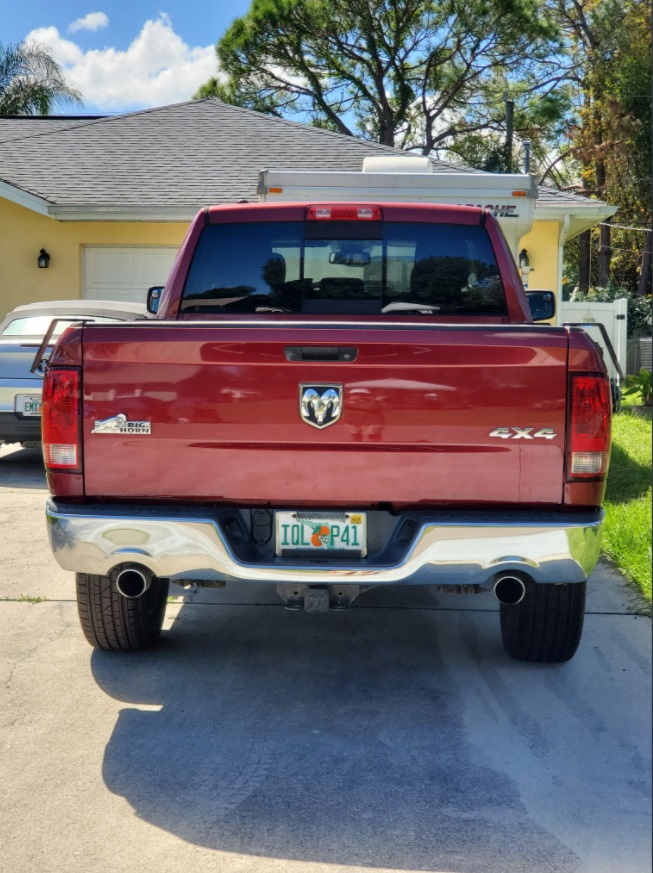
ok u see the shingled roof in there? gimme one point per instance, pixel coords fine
(177, 157)
(14, 127)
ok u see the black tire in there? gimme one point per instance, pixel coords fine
(615, 391)
(548, 623)
(111, 621)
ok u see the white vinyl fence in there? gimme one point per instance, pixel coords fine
(613, 316)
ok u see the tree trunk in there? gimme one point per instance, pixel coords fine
(605, 255)
(585, 240)
(510, 108)
(645, 268)
(605, 249)
(584, 262)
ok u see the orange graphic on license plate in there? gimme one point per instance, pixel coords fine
(320, 533)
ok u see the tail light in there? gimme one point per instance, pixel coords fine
(344, 212)
(590, 408)
(61, 420)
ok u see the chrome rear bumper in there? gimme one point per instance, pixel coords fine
(447, 549)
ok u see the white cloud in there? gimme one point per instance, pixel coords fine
(92, 21)
(66, 53)
(157, 68)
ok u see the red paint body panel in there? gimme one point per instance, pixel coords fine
(419, 406)
(518, 309)
(68, 350)
(425, 212)
(67, 486)
(583, 494)
(419, 402)
(584, 356)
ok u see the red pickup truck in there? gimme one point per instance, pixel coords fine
(332, 397)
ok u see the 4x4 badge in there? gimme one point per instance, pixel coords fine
(523, 433)
(320, 404)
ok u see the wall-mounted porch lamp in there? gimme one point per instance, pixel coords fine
(43, 260)
(524, 267)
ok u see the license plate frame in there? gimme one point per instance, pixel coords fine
(25, 403)
(303, 530)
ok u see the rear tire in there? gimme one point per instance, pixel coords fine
(112, 622)
(548, 623)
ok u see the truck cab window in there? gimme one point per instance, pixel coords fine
(407, 268)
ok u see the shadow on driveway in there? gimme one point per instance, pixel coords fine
(21, 468)
(338, 741)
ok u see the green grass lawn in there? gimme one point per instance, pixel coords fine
(627, 530)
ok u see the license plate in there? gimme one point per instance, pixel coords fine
(321, 532)
(28, 405)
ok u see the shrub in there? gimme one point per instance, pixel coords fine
(639, 308)
(640, 384)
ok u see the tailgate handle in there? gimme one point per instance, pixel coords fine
(321, 353)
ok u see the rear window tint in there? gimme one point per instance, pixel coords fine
(403, 268)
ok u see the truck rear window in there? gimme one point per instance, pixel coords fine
(326, 268)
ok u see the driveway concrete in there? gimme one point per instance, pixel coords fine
(394, 736)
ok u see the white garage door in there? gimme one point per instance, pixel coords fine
(125, 272)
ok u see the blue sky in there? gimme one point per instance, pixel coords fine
(125, 55)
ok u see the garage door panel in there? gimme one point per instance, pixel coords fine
(151, 263)
(124, 273)
(109, 269)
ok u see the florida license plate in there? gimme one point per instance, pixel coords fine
(321, 532)
(28, 405)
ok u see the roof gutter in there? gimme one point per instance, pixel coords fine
(24, 198)
(125, 213)
(575, 218)
(100, 212)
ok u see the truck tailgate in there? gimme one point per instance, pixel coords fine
(419, 405)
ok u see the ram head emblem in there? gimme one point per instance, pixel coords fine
(320, 405)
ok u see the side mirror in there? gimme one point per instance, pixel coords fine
(154, 298)
(542, 304)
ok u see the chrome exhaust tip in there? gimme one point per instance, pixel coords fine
(133, 582)
(509, 590)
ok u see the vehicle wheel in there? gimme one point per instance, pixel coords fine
(548, 623)
(113, 622)
(615, 391)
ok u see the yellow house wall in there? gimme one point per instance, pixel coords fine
(541, 243)
(24, 232)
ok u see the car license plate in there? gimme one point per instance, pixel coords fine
(28, 405)
(321, 532)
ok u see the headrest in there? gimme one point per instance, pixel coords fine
(274, 269)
